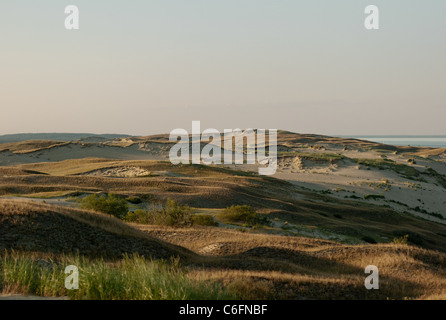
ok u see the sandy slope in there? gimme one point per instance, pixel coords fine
(346, 178)
(340, 178)
(80, 151)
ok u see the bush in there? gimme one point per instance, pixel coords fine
(411, 236)
(374, 196)
(204, 220)
(172, 214)
(242, 214)
(401, 240)
(139, 216)
(109, 204)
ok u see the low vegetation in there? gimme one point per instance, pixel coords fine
(110, 204)
(374, 196)
(171, 214)
(242, 214)
(316, 248)
(132, 278)
(216, 263)
(401, 240)
(410, 236)
(204, 220)
(441, 179)
(315, 156)
(386, 164)
(30, 146)
(239, 214)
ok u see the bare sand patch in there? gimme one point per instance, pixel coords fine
(120, 172)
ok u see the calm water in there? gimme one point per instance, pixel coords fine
(418, 141)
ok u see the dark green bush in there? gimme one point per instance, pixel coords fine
(172, 214)
(139, 216)
(242, 214)
(110, 204)
(204, 220)
(374, 196)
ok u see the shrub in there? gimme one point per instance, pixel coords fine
(411, 236)
(374, 196)
(138, 216)
(172, 214)
(204, 220)
(401, 240)
(242, 214)
(110, 204)
(176, 214)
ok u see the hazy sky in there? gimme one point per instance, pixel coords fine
(143, 67)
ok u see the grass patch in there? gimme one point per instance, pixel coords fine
(387, 164)
(132, 278)
(374, 196)
(441, 179)
(316, 156)
(433, 214)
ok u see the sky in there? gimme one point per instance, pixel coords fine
(149, 66)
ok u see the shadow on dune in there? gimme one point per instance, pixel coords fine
(36, 227)
(316, 276)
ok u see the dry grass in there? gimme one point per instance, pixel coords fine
(14, 171)
(86, 165)
(302, 268)
(217, 188)
(252, 266)
(31, 226)
(69, 167)
(30, 146)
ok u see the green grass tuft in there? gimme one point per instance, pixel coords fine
(132, 278)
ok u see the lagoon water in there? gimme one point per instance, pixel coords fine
(418, 141)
